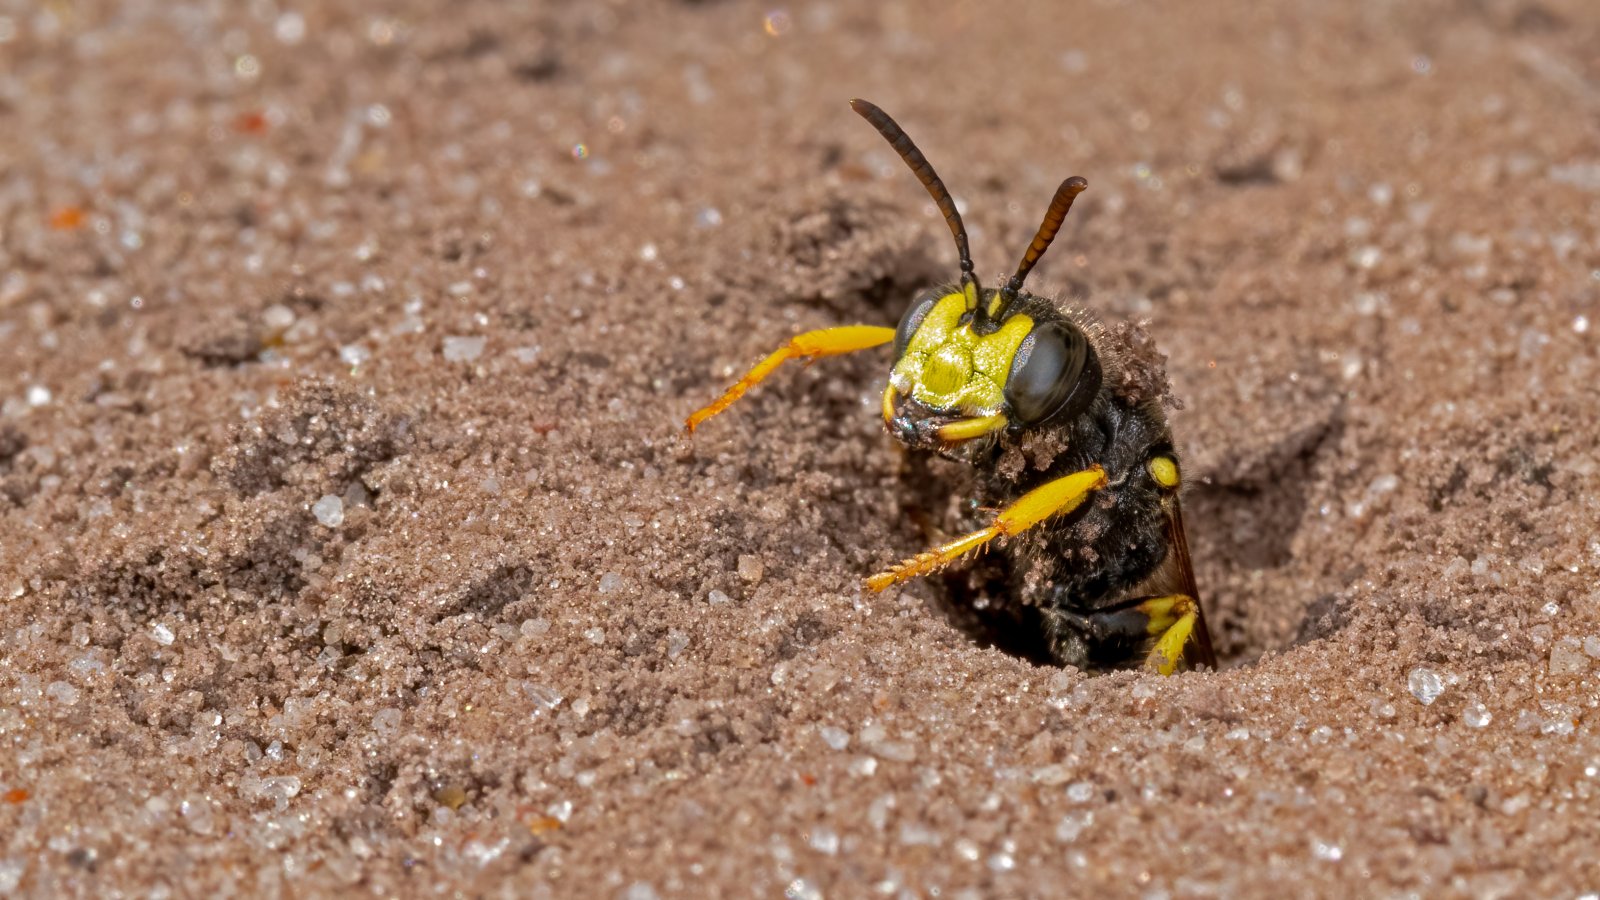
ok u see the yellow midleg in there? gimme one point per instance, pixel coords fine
(1052, 498)
(1173, 618)
(808, 345)
(1164, 611)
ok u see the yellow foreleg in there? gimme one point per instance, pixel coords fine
(1052, 498)
(808, 345)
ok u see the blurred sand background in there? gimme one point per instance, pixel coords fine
(348, 542)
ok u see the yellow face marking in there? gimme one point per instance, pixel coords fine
(969, 294)
(1164, 471)
(949, 367)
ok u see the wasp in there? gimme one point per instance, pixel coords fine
(1092, 529)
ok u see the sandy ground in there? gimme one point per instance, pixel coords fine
(348, 541)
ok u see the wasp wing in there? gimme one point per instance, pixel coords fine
(1197, 652)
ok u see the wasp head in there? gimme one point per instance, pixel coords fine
(969, 362)
(969, 370)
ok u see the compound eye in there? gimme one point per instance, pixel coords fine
(1053, 371)
(912, 320)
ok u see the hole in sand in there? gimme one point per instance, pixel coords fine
(1240, 531)
(1241, 536)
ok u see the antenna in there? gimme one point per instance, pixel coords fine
(1059, 204)
(923, 169)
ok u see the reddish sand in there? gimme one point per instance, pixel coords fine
(348, 539)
